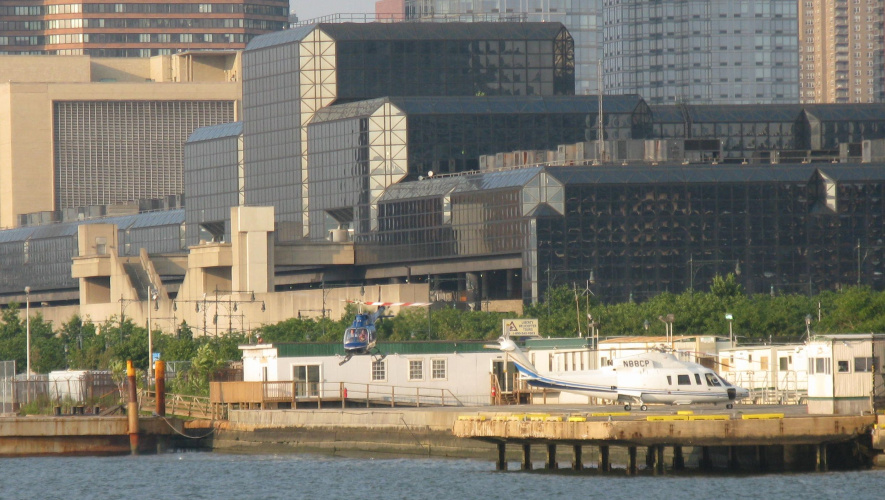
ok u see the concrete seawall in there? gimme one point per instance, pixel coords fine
(347, 431)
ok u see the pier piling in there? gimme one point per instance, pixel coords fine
(551, 456)
(502, 457)
(577, 463)
(631, 461)
(678, 458)
(604, 461)
(132, 408)
(526, 456)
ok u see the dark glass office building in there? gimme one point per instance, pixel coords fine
(288, 76)
(642, 231)
(214, 176)
(358, 150)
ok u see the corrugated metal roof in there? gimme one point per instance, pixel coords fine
(442, 186)
(846, 112)
(743, 113)
(147, 219)
(309, 349)
(280, 37)
(216, 132)
(470, 105)
(562, 343)
(441, 31)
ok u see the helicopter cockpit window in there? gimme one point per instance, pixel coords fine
(356, 335)
(724, 382)
(712, 380)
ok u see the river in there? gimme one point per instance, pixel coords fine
(196, 475)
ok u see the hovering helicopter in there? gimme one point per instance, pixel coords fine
(361, 337)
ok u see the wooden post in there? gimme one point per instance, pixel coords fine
(604, 462)
(551, 456)
(502, 456)
(160, 374)
(132, 408)
(577, 464)
(526, 456)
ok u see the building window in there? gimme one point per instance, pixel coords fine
(842, 366)
(438, 369)
(379, 370)
(864, 364)
(416, 369)
(819, 366)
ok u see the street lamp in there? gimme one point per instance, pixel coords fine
(668, 326)
(807, 327)
(28, 329)
(730, 319)
(152, 296)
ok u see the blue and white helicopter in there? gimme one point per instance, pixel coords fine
(361, 337)
(652, 377)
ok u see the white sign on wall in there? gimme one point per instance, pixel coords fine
(520, 327)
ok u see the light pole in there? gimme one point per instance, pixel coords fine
(730, 318)
(152, 296)
(28, 329)
(807, 327)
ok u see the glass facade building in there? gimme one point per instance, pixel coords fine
(136, 28)
(642, 231)
(360, 149)
(289, 76)
(582, 18)
(214, 181)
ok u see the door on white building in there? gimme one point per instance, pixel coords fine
(307, 380)
(504, 375)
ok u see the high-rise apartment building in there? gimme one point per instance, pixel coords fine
(841, 51)
(139, 28)
(702, 52)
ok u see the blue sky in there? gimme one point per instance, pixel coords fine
(308, 9)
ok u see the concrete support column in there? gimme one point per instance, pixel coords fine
(604, 461)
(551, 456)
(502, 457)
(678, 458)
(526, 457)
(650, 457)
(821, 461)
(659, 459)
(577, 463)
(631, 460)
(705, 464)
(761, 459)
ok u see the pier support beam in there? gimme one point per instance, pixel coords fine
(706, 464)
(577, 463)
(132, 408)
(821, 459)
(551, 456)
(526, 456)
(659, 459)
(678, 458)
(650, 457)
(761, 459)
(631, 460)
(733, 464)
(604, 461)
(502, 457)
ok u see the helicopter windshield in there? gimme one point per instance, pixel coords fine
(356, 335)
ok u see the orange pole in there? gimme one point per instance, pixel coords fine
(132, 408)
(160, 374)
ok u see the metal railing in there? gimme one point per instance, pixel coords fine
(179, 405)
(764, 390)
(347, 393)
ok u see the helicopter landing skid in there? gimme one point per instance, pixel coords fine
(346, 359)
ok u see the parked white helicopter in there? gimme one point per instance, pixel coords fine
(653, 377)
